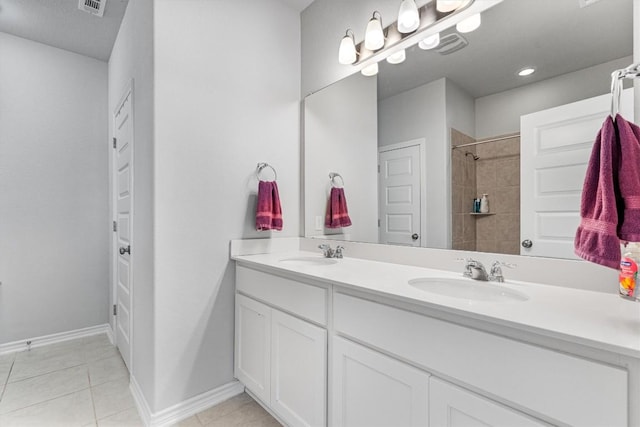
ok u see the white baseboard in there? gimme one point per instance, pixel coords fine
(22, 345)
(141, 403)
(182, 410)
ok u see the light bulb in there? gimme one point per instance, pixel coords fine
(469, 24)
(397, 57)
(526, 71)
(374, 36)
(347, 52)
(408, 16)
(430, 42)
(370, 70)
(448, 5)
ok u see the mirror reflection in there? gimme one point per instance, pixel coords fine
(522, 140)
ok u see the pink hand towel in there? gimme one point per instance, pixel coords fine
(337, 213)
(268, 212)
(629, 180)
(610, 205)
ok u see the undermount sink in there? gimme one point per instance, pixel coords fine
(468, 289)
(308, 261)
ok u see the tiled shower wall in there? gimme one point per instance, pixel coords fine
(497, 173)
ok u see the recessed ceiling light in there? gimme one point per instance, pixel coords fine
(526, 71)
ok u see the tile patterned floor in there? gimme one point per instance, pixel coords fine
(84, 382)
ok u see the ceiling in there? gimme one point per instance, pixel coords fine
(59, 23)
(555, 36)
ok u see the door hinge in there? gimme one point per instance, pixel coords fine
(115, 226)
(115, 310)
(115, 141)
(378, 168)
(378, 223)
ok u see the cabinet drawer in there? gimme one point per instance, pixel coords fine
(306, 301)
(451, 406)
(569, 389)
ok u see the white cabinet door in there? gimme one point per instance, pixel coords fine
(370, 389)
(253, 346)
(298, 370)
(451, 406)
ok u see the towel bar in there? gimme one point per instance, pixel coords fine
(263, 165)
(333, 176)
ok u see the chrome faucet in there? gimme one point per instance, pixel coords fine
(495, 275)
(475, 270)
(328, 252)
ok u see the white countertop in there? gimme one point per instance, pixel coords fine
(595, 319)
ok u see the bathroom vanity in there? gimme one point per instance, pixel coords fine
(356, 342)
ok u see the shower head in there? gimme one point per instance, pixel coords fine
(469, 153)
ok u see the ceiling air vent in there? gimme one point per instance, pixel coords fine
(94, 7)
(451, 43)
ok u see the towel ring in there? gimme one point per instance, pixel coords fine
(263, 165)
(333, 176)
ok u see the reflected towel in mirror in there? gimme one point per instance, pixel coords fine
(337, 213)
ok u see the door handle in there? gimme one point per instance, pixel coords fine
(527, 243)
(125, 251)
(415, 236)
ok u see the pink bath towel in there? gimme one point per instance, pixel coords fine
(610, 205)
(268, 212)
(337, 213)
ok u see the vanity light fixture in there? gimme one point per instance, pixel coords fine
(347, 53)
(526, 71)
(370, 70)
(448, 5)
(397, 57)
(390, 43)
(374, 35)
(430, 42)
(469, 24)
(408, 16)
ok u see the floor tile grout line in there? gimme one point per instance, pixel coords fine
(93, 403)
(48, 373)
(46, 400)
(6, 381)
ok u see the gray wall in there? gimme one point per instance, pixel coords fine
(499, 114)
(224, 101)
(132, 58)
(341, 136)
(421, 113)
(54, 225)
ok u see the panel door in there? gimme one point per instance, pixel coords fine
(556, 145)
(123, 173)
(451, 406)
(298, 370)
(253, 346)
(399, 198)
(370, 389)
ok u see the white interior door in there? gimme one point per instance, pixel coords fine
(123, 177)
(556, 145)
(400, 195)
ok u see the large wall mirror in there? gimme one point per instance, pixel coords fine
(417, 143)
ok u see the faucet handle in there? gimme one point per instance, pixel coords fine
(503, 264)
(495, 274)
(338, 252)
